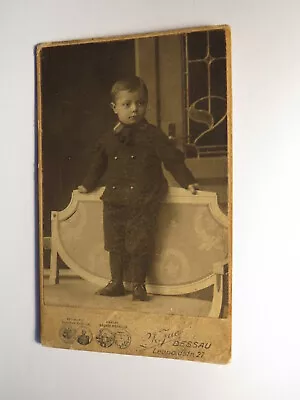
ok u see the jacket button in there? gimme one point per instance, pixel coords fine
(115, 157)
(131, 187)
(114, 187)
(133, 156)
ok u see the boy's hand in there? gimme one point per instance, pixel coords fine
(193, 188)
(82, 189)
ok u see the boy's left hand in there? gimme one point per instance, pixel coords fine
(193, 188)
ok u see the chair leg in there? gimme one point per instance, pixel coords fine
(54, 272)
(216, 306)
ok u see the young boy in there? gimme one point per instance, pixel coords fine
(130, 158)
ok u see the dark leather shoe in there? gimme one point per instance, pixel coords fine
(113, 289)
(139, 293)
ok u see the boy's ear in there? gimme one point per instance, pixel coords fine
(113, 106)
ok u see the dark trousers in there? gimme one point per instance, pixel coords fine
(129, 236)
(132, 269)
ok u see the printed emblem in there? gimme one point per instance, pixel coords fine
(84, 335)
(105, 337)
(122, 339)
(67, 333)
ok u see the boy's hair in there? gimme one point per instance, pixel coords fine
(131, 84)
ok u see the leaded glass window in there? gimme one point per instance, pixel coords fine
(205, 88)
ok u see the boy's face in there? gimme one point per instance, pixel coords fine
(130, 106)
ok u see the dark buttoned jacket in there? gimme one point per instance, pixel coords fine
(129, 162)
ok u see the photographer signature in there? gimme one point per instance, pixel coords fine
(160, 337)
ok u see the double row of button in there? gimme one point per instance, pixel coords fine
(133, 157)
(115, 187)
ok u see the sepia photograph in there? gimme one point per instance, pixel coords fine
(150, 161)
(134, 159)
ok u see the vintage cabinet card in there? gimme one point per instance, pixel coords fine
(134, 179)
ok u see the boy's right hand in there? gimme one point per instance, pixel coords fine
(82, 189)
